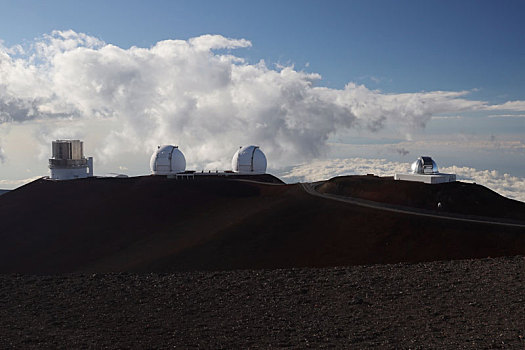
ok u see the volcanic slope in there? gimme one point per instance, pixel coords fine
(454, 197)
(155, 224)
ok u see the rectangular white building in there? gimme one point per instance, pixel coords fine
(426, 178)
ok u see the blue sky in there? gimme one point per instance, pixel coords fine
(396, 46)
(403, 53)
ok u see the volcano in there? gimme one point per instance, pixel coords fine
(158, 224)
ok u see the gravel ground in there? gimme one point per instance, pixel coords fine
(474, 304)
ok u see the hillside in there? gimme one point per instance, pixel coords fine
(150, 223)
(454, 197)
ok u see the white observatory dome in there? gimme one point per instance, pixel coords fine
(249, 160)
(424, 165)
(167, 160)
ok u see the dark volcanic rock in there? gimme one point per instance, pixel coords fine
(472, 304)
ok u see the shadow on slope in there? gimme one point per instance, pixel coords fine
(156, 224)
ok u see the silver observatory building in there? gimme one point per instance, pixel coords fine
(68, 161)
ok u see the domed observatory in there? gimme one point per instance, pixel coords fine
(424, 165)
(167, 160)
(68, 161)
(425, 170)
(249, 160)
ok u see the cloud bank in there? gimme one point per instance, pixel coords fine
(10, 183)
(195, 93)
(505, 184)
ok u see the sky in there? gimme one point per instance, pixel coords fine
(325, 88)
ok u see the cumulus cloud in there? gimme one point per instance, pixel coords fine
(505, 184)
(197, 94)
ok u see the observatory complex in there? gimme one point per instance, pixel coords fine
(169, 160)
(425, 170)
(68, 161)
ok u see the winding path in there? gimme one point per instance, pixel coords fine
(311, 188)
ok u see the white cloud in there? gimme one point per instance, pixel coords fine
(505, 184)
(324, 169)
(208, 42)
(466, 142)
(447, 117)
(518, 106)
(10, 183)
(506, 116)
(190, 93)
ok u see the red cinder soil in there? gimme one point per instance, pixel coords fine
(455, 197)
(155, 224)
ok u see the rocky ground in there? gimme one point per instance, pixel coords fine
(473, 304)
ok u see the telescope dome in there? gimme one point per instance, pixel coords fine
(166, 160)
(424, 165)
(249, 160)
